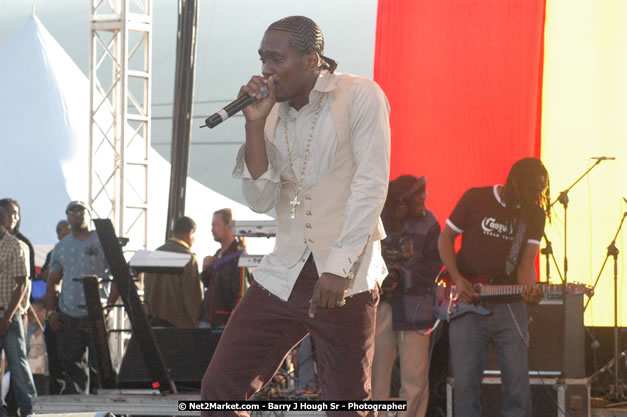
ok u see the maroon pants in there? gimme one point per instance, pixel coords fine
(263, 329)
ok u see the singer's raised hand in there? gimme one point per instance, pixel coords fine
(263, 90)
(256, 114)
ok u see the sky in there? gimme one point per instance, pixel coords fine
(229, 33)
(584, 60)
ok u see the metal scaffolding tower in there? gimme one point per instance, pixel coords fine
(119, 134)
(119, 130)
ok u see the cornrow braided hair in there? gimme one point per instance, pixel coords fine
(306, 37)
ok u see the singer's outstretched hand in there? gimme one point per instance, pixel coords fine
(263, 90)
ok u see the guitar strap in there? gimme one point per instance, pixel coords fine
(511, 262)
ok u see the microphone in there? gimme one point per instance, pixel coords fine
(603, 158)
(594, 342)
(230, 109)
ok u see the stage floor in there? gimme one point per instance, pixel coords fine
(610, 412)
(138, 403)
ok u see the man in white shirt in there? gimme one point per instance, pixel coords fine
(317, 151)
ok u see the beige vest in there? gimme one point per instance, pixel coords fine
(320, 217)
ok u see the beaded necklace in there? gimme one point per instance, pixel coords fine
(299, 185)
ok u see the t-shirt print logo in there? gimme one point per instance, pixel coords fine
(495, 229)
(91, 251)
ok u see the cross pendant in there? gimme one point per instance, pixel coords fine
(294, 202)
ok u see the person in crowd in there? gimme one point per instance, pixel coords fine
(63, 229)
(78, 254)
(405, 312)
(15, 220)
(12, 226)
(224, 280)
(501, 228)
(317, 151)
(174, 300)
(56, 374)
(13, 284)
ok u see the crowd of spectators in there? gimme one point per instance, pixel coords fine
(43, 315)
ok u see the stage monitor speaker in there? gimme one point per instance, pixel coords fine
(186, 353)
(556, 339)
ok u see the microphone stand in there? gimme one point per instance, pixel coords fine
(612, 251)
(547, 251)
(563, 199)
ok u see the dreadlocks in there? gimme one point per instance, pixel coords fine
(521, 189)
(306, 37)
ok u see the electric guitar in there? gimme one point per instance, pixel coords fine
(447, 306)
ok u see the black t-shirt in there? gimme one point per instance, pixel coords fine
(481, 217)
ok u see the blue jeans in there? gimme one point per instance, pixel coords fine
(14, 345)
(469, 336)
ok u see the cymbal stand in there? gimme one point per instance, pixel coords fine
(612, 251)
(563, 199)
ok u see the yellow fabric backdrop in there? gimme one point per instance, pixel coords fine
(584, 115)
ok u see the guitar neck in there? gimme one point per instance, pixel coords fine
(488, 290)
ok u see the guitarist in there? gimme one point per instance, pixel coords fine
(501, 228)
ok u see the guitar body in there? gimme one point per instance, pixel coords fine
(448, 307)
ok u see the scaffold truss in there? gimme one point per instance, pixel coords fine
(119, 134)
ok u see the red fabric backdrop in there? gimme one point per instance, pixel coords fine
(463, 78)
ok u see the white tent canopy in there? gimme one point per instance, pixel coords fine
(44, 134)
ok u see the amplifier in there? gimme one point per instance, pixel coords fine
(186, 353)
(249, 261)
(556, 339)
(254, 228)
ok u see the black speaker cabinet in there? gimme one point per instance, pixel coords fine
(556, 339)
(186, 353)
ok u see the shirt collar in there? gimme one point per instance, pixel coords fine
(179, 241)
(233, 247)
(325, 83)
(497, 195)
